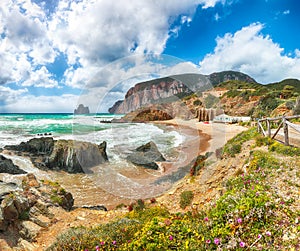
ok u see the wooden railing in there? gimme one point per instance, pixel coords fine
(285, 124)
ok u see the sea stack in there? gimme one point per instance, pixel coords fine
(82, 109)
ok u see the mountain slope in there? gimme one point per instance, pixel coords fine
(170, 89)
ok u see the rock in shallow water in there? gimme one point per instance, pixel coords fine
(68, 155)
(146, 156)
(7, 166)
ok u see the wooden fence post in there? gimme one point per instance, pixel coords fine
(269, 127)
(286, 131)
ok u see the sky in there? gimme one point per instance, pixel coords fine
(56, 54)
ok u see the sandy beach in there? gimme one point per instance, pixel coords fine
(214, 135)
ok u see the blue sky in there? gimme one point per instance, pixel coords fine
(56, 54)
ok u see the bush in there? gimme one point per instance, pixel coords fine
(285, 150)
(263, 141)
(197, 102)
(186, 198)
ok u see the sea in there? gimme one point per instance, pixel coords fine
(110, 183)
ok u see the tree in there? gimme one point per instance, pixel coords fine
(287, 91)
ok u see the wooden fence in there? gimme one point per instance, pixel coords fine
(285, 124)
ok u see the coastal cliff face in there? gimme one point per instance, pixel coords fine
(150, 92)
(171, 89)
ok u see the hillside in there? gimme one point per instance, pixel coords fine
(248, 199)
(170, 89)
(182, 95)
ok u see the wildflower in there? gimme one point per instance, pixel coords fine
(114, 242)
(97, 248)
(268, 233)
(217, 241)
(259, 236)
(207, 241)
(206, 219)
(242, 244)
(170, 237)
(257, 193)
(239, 220)
(102, 243)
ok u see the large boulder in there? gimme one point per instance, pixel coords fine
(7, 166)
(68, 155)
(42, 145)
(146, 155)
(75, 156)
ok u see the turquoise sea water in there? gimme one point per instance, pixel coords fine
(15, 128)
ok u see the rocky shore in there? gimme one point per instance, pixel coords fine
(38, 210)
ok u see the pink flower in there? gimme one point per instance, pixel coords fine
(207, 241)
(114, 242)
(170, 237)
(97, 248)
(102, 243)
(217, 241)
(242, 244)
(259, 236)
(239, 220)
(206, 219)
(268, 233)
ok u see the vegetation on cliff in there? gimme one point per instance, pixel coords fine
(258, 209)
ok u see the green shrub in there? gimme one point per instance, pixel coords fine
(197, 102)
(285, 150)
(186, 198)
(262, 141)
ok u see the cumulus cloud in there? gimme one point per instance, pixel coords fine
(251, 52)
(95, 33)
(24, 41)
(89, 34)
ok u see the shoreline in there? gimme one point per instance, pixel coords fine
(216, 134)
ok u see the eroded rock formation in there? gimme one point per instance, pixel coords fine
(69, 155)
(7, 166)
(146, 155)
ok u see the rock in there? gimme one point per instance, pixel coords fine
(30, 181)
(146, 156)
(25, 245)
(98, 208)
(3, 222)
(81, 109)
(41, 220)
(7, 188)
(75, 156)
(29, 230)
(35, 146)
(7, 166)
(68, 155)
(67, 201)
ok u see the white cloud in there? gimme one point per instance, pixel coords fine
(90, 35)
(249, 51)
(46, 104)
(40, 78)
(8, 95)
(24, 42)
(286, 12)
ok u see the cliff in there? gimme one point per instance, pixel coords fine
(170, 89)
(81, 109)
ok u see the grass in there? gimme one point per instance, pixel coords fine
(250, 215)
